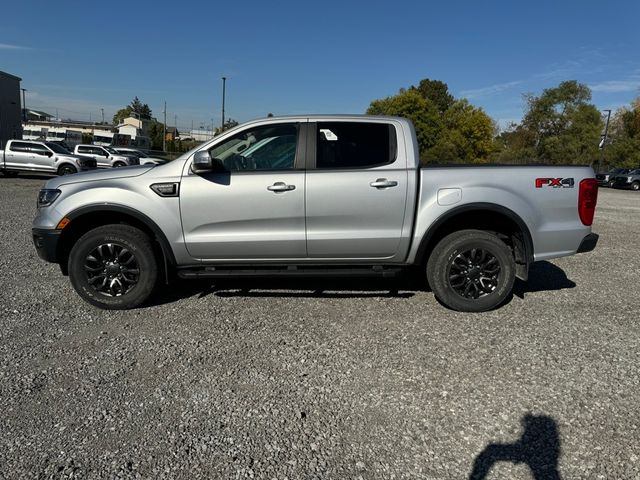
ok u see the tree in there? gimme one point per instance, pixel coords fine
(447, 130)
(559, 126)
(141, 110)
(467, 135)
(564, 126)
(437, 92)
(623, 147)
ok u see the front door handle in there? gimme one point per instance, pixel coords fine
(383, 183)
(280, 187)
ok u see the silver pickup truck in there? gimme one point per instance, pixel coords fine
(106, 157)
(41, 157)
(314, 195)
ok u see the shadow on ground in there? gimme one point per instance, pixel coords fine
(538, 448)
(543, 276)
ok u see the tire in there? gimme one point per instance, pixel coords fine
(486, 285)
(635, 186)
(119, 164)
(610, 184)
(102, 267)
(67, 170)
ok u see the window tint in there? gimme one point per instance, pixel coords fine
(19, 147)
(38, 149)
(271, 147)
(355, 145)
(84, 150)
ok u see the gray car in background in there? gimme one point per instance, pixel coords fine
(329, 196)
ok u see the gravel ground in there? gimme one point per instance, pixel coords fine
(317, 380)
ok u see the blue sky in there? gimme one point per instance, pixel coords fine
(290, 57)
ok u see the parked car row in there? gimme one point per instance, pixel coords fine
(620, 178)
(51, 157)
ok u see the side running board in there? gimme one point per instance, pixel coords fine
(288, 271)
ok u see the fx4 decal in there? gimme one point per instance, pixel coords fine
(555, 182)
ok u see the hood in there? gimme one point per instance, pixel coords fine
(97, 175)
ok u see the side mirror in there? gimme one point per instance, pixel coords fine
(49, 154)
(202, 162)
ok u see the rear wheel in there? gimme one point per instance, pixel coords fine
(635, 186)
(67, 170)
(471, 271)
(113, 267)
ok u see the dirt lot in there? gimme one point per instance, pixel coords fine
(323, 380)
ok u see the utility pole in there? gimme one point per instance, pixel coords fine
(224, 84)
(604, 138)
(102, 110)
(164, 128)
(24, 105)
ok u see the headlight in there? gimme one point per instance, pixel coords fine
(47, 196)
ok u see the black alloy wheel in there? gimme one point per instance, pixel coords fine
(471, 270)
(112, 269)
(474, 273)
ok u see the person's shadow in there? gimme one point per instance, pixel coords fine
(539, 448)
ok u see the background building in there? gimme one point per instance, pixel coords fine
(10, 109)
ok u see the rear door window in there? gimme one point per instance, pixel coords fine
(355, 145)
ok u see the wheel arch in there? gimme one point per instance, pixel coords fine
(88, 217)
(482, 216)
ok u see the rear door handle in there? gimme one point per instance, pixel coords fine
(280, 187)
(383, 183)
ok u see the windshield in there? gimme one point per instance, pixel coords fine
(57, 148)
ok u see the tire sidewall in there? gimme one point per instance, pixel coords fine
(146, 264)
(440, 274)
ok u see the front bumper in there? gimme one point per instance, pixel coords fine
(588, 243)
(46, 243)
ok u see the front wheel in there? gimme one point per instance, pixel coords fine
(113, 267)
(67, 170)
(119, 165)
(471, 271)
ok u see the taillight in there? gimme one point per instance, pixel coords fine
(587, 198)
